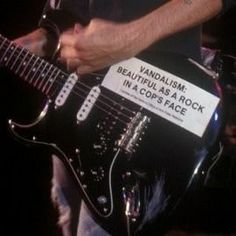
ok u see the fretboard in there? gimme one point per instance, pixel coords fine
(36, 71)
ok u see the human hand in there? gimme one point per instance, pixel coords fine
(99, 45)
(36, 42)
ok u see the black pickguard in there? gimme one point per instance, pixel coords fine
(153, 178)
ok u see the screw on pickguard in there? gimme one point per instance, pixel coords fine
(135, 130)
(76, 163)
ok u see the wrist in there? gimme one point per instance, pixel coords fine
(138, 40)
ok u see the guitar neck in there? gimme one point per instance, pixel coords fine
(34, 70)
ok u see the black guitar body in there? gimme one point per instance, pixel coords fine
(125, 185)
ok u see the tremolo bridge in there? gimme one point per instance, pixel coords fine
(130, 139)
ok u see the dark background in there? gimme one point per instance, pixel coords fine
(26, 173)
(26, 206)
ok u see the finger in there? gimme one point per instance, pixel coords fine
(72, 64)
(84, 69)
(68, 39)
(68, 52)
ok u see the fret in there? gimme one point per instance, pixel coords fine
(26, 63)
(59, 75)
(35, 70)
(40, 76)
(51, 80)
(4, 54)
(16, 59)
(45, 75)
(32, 69)
(1, 47)
(13, 49)
(3, 41)
(22, 63)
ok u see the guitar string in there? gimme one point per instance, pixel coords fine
(77, 90)
(102, 101)
(101, 108)
(120, 112)
(65, 74)
(97, 105)
(113, 102)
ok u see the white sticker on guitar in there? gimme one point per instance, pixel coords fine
(162, 93)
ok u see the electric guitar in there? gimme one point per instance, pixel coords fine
(133, 136)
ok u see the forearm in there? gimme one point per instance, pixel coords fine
(39, 42)
(172, 17)
(102, 43)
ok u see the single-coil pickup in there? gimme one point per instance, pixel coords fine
(129, 140)
(66, 90)
(88, 104)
